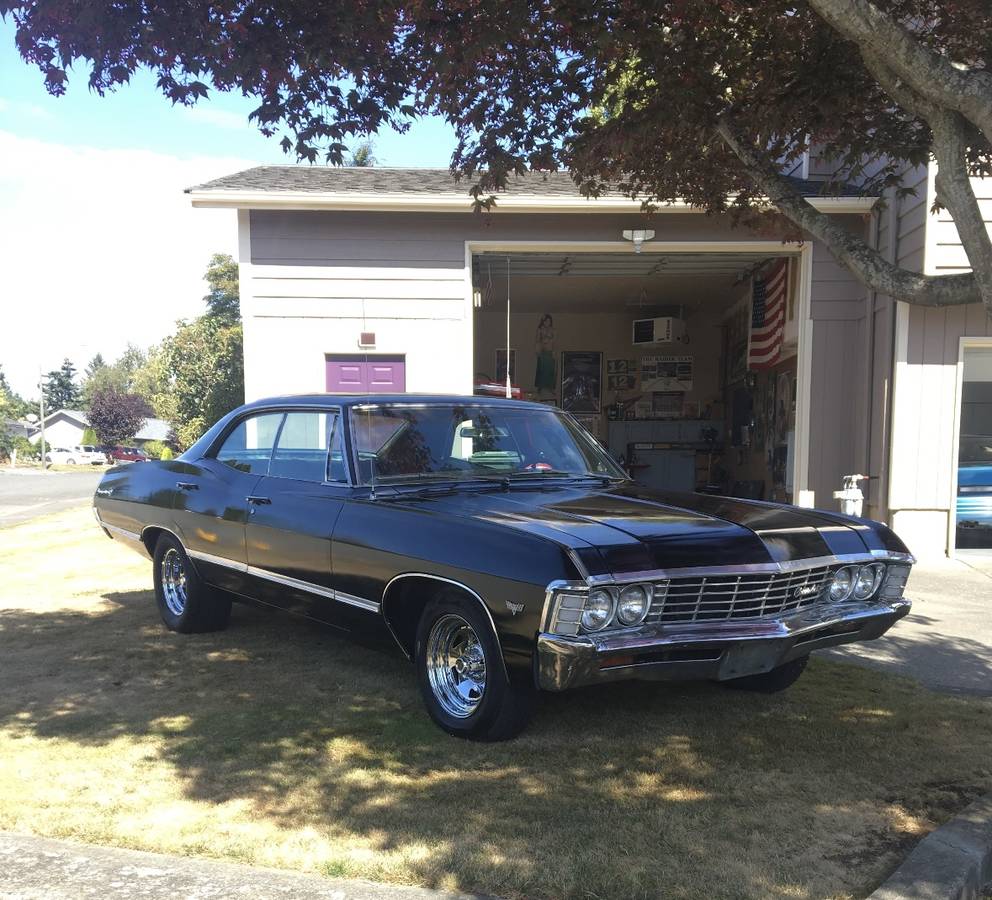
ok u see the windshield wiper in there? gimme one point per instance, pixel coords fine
(557, 473)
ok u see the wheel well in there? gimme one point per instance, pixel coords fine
(404, 601)
(150, 536)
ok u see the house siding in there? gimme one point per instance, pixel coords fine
(923, 466)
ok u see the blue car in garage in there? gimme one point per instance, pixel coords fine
(974, 505)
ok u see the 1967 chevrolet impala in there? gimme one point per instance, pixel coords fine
(500, 547)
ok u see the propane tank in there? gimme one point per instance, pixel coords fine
(851, 497)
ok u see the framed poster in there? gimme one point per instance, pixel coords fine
(581, 380)
(666, 373)
(500, 367)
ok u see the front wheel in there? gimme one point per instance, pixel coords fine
(778, 679)
(461, 674)
(185, 603)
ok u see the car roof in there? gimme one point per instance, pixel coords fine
(333, 400)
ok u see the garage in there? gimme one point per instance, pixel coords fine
(684, 364)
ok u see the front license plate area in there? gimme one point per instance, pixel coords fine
(749, 658)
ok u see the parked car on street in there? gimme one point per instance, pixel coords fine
(974, 503)
(81, 454)
(126, 454)
(500, 547)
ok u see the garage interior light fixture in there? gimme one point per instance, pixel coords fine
(638, 236)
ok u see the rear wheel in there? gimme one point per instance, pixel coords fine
(185, 603)
(461, 674)
(778, 679)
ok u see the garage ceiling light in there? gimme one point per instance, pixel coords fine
(638, 236)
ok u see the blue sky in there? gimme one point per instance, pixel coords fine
(139, 117)
(101, 246)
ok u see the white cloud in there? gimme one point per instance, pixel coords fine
(221, 118)
(31, 110)
(100, 247)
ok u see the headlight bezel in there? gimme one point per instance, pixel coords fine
(854, 573)
(647, 590)
(877, 571)
(586, 608)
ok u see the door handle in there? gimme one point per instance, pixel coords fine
(187, 486)
(259, 501)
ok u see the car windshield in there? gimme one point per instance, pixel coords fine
(414, 442)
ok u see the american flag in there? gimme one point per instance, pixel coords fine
(768, 317)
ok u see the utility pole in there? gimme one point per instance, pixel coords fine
(41, 389)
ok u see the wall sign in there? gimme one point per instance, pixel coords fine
(666, 373)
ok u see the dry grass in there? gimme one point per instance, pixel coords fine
(278, 743)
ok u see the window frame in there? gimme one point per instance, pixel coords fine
(335, 410)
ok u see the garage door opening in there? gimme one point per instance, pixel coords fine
(684, 365)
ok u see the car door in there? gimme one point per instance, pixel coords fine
(291, 520)
(212, 499)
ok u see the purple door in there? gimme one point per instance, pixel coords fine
(363, 373)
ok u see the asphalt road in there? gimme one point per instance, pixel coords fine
(25, 495)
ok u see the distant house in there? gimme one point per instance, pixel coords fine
(18, 429)
(65, 429)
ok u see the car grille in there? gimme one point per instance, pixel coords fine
(715, 597)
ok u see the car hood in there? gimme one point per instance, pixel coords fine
(627, 528)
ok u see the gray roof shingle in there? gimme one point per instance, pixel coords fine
(372, 180)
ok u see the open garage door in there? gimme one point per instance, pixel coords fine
(683, 364)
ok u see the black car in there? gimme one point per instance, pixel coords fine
(501, 549)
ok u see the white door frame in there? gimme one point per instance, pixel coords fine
(804, 367)
(964, 343)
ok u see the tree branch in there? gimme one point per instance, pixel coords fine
(954, 189)
(853, 252)
(930, 74)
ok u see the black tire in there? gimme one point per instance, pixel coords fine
(198, 607)
(504, 708)
(778, 679)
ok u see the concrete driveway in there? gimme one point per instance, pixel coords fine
(25, 494)
(946, 641)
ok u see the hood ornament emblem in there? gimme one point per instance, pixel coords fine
(514, 608)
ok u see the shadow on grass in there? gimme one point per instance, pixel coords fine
(626, 790)
(943, 662)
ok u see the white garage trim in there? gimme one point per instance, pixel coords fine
(406, 202)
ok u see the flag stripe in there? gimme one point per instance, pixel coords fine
(768, 308)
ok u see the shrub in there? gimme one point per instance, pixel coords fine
(153, 449)
(89, 436)
(167, 453)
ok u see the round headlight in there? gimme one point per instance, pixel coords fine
(633, 604)
(598, 610)
(843, 583)
(868, 580)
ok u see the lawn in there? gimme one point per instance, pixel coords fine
(279, 743)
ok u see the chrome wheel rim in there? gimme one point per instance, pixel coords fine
(174, 582)
(456, 666)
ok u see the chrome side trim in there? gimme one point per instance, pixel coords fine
(216, 560)
(451, 581)
(310, 588)
(123, 532)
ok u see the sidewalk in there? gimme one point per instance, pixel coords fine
(33, 868)
(946, 641)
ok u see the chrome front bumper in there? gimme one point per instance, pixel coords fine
(718, 650)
